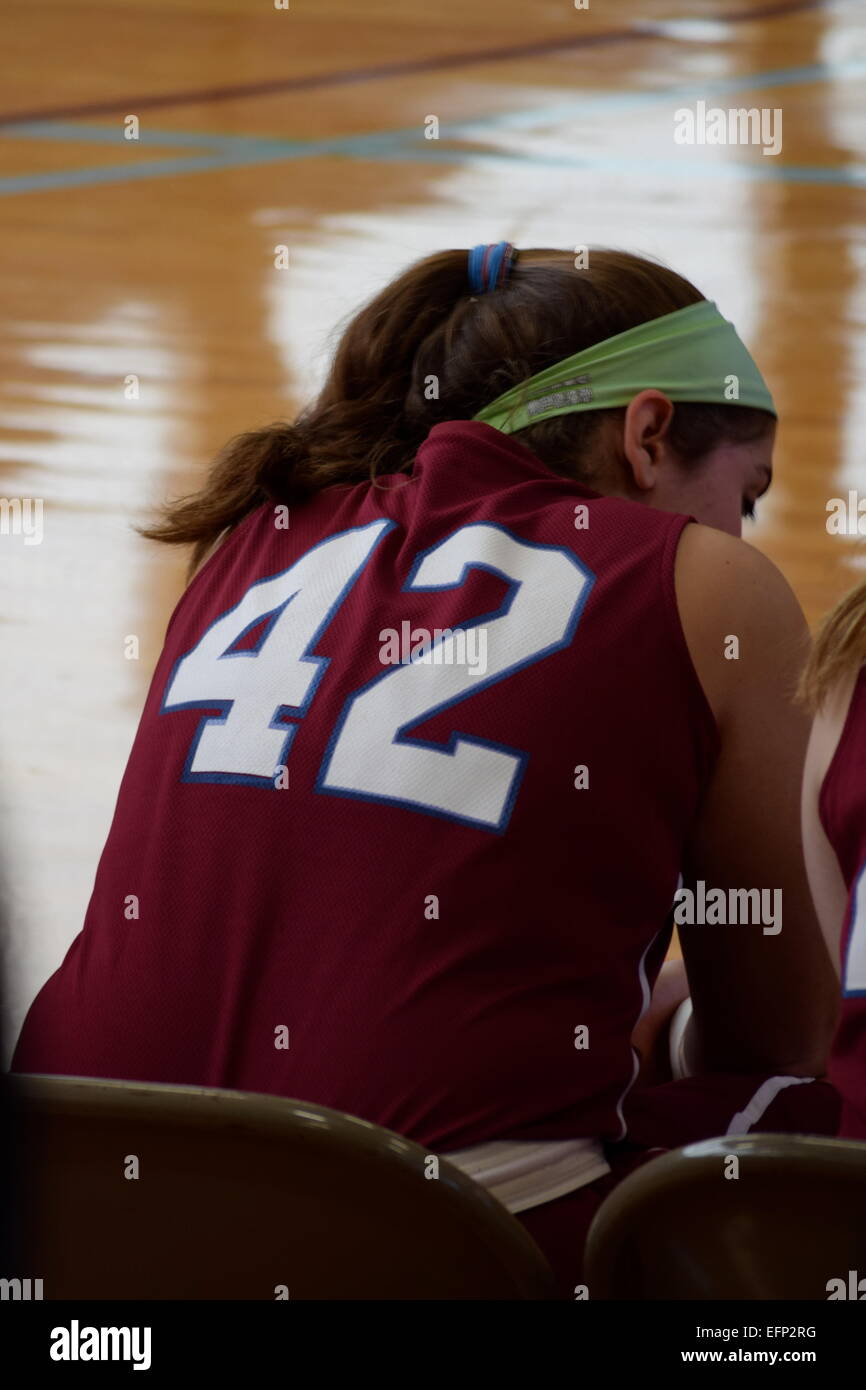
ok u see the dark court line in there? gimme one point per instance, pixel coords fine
(442, 62)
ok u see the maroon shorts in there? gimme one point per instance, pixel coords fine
(664, 1117)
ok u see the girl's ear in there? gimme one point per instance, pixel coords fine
(645, 435)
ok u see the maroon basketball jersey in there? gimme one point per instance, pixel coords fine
(842, 808)
(402, 824)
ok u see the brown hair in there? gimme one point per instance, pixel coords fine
(425, 335)
(839, 649)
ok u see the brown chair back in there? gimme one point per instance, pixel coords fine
(242, 1196)
(762, 1216)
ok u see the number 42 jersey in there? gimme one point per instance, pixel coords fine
(403, 820)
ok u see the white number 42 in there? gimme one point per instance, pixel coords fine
(370, 754)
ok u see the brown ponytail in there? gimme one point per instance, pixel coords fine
(426, 350)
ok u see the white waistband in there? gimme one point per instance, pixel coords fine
(524, 1174)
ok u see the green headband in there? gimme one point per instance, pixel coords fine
(693, 354)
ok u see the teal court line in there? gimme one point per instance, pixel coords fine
(229, 151)
(847, 176)
(601, 102)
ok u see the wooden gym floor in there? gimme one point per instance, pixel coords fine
(305, 127)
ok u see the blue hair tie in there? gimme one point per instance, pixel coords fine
(489, 266)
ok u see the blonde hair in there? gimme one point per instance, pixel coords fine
(839, 649)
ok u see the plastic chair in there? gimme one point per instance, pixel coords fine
(242, 1196)
(678, 1228)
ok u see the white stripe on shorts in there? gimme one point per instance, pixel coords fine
(762, 1100)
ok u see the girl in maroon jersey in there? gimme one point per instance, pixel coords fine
(468, 1033)
(834, 832)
